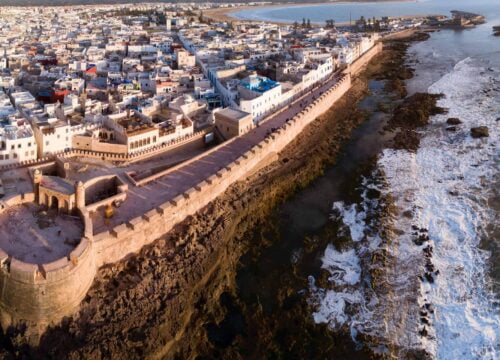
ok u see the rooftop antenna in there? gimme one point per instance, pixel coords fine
(350, 19)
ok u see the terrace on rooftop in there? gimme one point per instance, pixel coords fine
(259, 84)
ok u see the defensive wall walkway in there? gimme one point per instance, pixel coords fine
(44, 293)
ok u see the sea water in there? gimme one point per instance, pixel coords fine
(450, 186)
(344, 11)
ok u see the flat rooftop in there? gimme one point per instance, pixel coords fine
(233, 114)
(58, 184)
(35, 236)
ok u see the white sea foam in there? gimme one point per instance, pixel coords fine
(343, 266)
(353, 219)
(349, 302)
(446, 185)
(449, 181)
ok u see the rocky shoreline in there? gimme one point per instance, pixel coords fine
(154, 303)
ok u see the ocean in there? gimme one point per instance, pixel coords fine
(345, 11)
(446, 192)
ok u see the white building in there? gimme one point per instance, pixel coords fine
(17, 141)
(259, 96)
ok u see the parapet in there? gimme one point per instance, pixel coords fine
(47, 292)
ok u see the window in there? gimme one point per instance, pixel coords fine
(29, 144)
(47, 143)
(15, 156)
(12, 147)
(18, 146)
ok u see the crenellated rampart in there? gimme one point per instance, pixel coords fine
(47, 292)
(44, 293)
(113, 245)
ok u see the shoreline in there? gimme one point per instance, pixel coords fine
(197, 250)
(226, 14)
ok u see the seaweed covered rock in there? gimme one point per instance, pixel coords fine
(453, 121)
(413, 113)
(479, 132)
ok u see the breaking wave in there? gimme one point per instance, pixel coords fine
(419, 281)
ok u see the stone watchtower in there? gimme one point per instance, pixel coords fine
(80, 196)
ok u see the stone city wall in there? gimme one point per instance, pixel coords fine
(130, 237)
(360, 63)
(110, 156)
(139, 155)
(17, 199)
(47, 292)
(97, 185)
(26, 163)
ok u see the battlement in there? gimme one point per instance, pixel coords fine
(45, 292)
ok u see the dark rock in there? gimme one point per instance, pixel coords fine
(479, 132)
(451, 128)
(453, 121)
(423, 332)
(420, 240)
(429, 278)
(429, 267)
(412, 113)
(408, 214)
